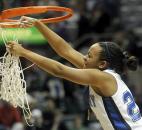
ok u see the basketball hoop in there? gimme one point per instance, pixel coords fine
(6, 15)
(13, 84)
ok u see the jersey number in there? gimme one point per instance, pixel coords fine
(132, 108)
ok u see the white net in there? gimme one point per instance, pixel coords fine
(10, 24)
(12, 84)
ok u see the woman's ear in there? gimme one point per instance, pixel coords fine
(103, 65)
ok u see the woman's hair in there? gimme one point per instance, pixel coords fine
(117, 59)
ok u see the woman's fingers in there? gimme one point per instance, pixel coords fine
(14, 48)
(27, 21)
(23, 18)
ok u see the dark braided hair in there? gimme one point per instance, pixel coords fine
(117, 59)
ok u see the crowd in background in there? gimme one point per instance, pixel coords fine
(57, 104)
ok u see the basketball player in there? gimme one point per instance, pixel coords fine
(101, 69)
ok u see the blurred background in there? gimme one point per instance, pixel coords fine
(57, 104)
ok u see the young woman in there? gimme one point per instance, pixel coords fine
(110, 98)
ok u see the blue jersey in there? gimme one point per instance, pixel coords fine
(118, 112)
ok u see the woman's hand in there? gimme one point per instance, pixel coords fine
(27, 21)
(15, 48)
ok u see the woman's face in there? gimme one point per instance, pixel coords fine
(92, 59)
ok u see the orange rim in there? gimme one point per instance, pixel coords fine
(6, 15)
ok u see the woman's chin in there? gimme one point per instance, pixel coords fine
(84, 67)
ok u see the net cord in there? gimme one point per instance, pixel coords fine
(13, 85)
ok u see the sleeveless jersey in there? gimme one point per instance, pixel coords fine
(118, 112)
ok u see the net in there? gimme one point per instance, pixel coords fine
(12, 84)
(9, 24)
